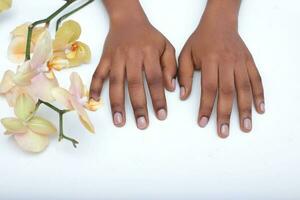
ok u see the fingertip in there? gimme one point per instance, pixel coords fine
(223, 131)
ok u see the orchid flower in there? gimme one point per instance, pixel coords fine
(17, 46)
(30, 132)
(76, 98)
(31, 77)
(67, 51)
(4, 5)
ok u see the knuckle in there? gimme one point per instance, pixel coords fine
(226, 91)
(115, 106)
(148, 49)
(245, 86)
(134, 83)
(155, 80)
(209, 87)
(225, 116)
(259, 94)
(258, 79)
(159, 102)
(139, 109)
(246, 111)
(114, 80)
(98, 76)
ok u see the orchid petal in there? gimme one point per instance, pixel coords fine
(67, 33)
(41, 87)
(16, 50)
(32, 142)
(58, 63)
(93, 105)
(24, 107)
(12, 95)
(7, 82)
(13, 125)
(24, 74)
(83, 116)
(42, 50)
(5, 4)
(76, 88)
(21, 30)
(62, 96)
(41, 126)
(80, 54)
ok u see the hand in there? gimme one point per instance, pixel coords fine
(133, 47)
(226, 66)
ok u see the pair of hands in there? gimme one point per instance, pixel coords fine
(134, 47)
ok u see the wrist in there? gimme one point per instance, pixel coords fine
(125, 11)
(223, 11)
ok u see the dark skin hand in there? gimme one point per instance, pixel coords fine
(133, 47)
(226, 65)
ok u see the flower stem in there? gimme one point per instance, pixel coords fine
(61, 113)
(71, 13)
(43, 21)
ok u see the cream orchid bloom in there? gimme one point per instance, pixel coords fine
(17, 46)
(68, 52)
(4, 5)
(77, 99)
(30, 132)
(32, 77)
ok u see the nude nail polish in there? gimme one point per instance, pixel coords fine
(141, 123)
(247, 124)
(162, 114)
(203, 121)
(224, 130)
(173, 83)
(118, 119)
(262, 107)
(182, 92)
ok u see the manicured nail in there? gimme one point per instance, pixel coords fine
(141, 123)
(182, 92)
(262, 107)
(224, 130)
(247, 124)
(118, 119)
(173, 83)
(162, 114)
(203, 121)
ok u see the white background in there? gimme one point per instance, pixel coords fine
(174, 159)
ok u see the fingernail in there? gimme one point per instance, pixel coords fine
(96, 98)
(141, 123)
(247, 124)
(203, 121)
(162, 114)
(173, 83)
(262, 107)
(182, 92)
(224, 130)
(118, 119)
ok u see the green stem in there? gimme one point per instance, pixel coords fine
(61, 113)
(71, 13)
(43, 21)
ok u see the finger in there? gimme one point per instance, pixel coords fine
(185, 73)
(169, 65)
(137, 92)
(244, 98)
(117, 90)
(225, 100)
(99, 77)
(155, 84)
(257, 87)
(209, 86)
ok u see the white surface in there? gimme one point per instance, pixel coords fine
(174, 159)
